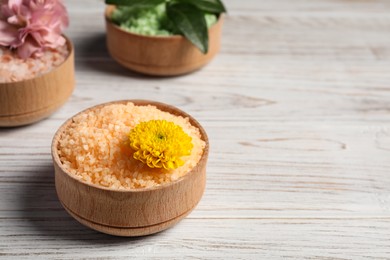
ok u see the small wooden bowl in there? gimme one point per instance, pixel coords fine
(133, 212)
(159, 55)
(28, 101)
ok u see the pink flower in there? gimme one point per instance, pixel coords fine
(32, 26)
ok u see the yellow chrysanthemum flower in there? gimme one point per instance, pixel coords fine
(160, 144)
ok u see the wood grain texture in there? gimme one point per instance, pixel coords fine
(28, 101)
(159, 56)
(296, 107)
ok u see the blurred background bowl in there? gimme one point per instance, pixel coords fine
(28, 101)
(159, 55)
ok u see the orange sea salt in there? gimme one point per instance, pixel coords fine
(13, 68)
(93, 148)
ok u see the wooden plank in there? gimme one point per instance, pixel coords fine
(62, 238)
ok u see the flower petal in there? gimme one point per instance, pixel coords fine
(17, 3)
(28, 48)
(8, 34)
(6, 11)
(33, 25)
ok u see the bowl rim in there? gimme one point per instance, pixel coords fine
(110, 8)
(71, 53)
(137, 102)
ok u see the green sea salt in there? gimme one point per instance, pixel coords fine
(149, 21)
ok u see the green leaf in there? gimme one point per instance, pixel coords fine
(190, 21)
(135, 2)
(208, 6)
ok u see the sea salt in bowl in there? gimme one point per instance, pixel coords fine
(159, 55)
(47, 87)
(105, 189)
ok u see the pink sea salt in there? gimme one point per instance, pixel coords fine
(13, 68)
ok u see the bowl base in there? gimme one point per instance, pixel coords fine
(127, 231)
(155, 70)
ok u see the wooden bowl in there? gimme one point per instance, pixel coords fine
(28, 101)
(159, 55)
(135, 212)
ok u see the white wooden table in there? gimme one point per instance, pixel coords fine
(297, 109)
